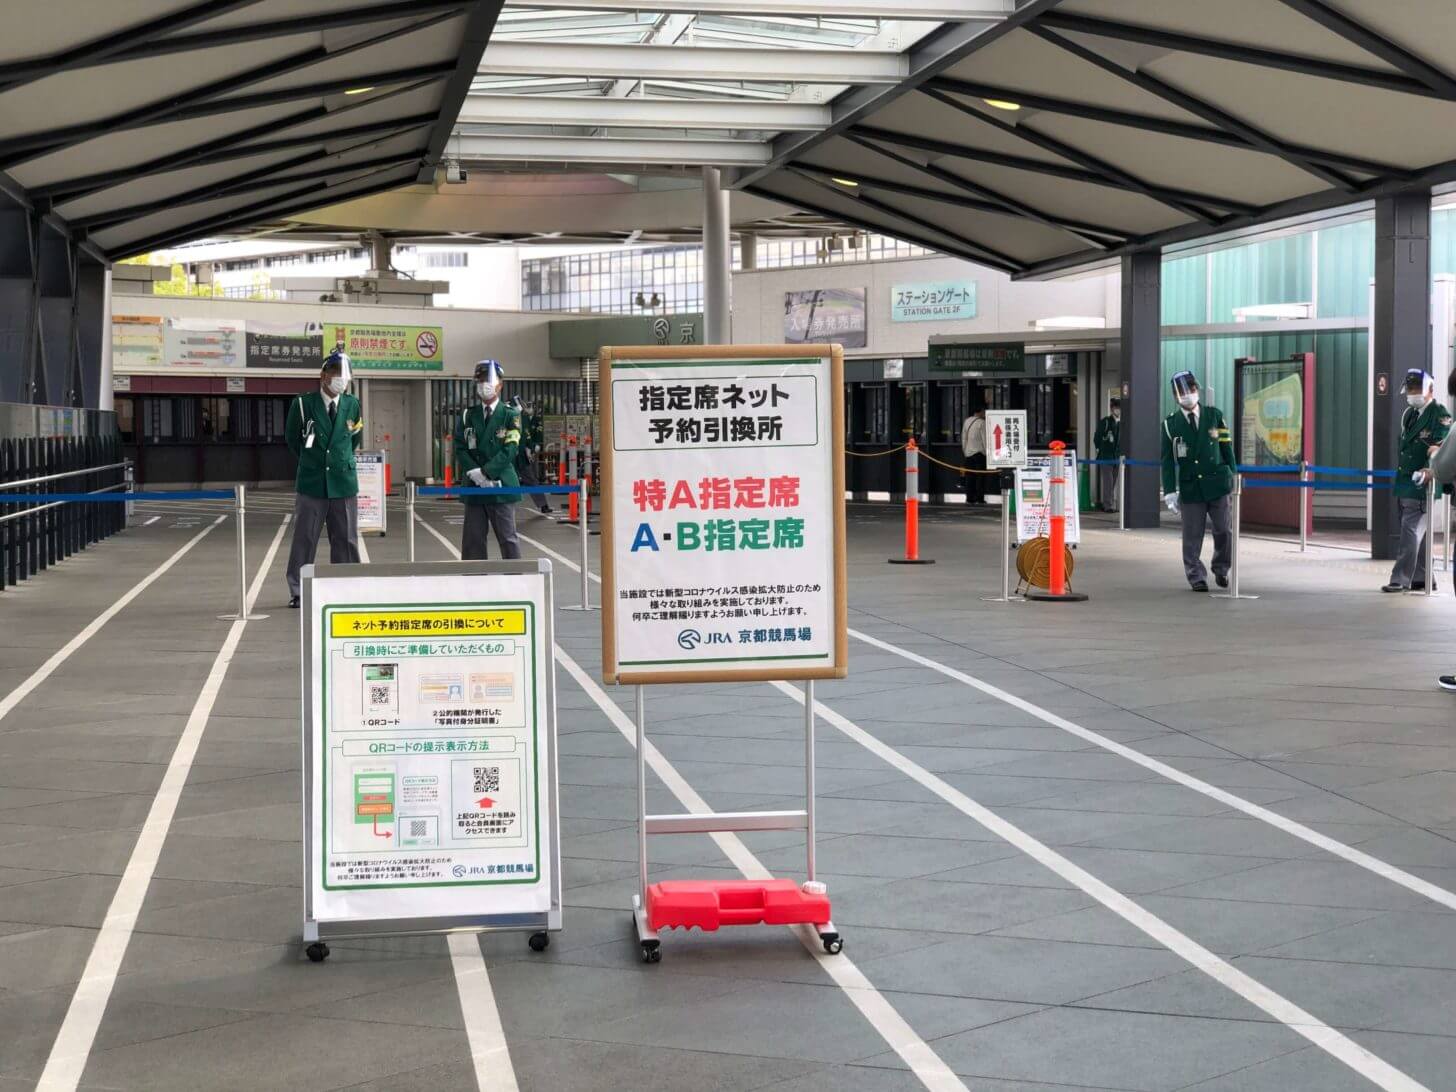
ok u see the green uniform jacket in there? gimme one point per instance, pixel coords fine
(490, 445)
(1419, 430)
(326, 468)
(1204, 470)
(1108, 437)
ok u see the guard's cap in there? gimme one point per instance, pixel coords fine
(1419, 380)
(1184, 383)
(489, 371)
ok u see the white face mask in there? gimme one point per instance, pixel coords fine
(486, 391)
(1415, 401)
(1117, 415)
(337, 385)
(1188, 401)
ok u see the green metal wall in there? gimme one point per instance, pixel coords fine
(1346, 268)
(1274, 271)
(1341, 381)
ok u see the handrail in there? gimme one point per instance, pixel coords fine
(65, 474)
(56, 504)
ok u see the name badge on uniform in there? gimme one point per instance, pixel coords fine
(500, 434)
(1213, 433)
(470, 438)
(308, 435)
(1180, 448)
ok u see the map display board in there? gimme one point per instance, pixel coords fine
(723, 513)
(430, 747)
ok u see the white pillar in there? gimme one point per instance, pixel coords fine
(717, 261)
(105, 398)
(748, 244)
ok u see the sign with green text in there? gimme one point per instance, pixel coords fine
(390, 348)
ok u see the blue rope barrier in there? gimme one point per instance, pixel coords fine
(1143, 462)
(492, 491)
(1354, 472)
(115, 498)
(1291, 469)
(1351, 486)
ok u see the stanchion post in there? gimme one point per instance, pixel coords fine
(583, 485)
(1005, 596)
(240, 507)
(1057, 505)
(809, 777)
(1430, 543)
(410, 519)
(1122, 492)
(1446, 532)
(1235, 530)
(1304, 504)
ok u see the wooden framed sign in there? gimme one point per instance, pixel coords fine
(723, 513)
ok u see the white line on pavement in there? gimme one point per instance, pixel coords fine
(72, 1047)
(488, 1050)
(1288, 826)
(151, 521)
(882, 1016)
(43, 672)
(1362, 1061)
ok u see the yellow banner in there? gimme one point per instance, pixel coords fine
(428, 623)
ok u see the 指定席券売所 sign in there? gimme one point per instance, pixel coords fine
(723, 514)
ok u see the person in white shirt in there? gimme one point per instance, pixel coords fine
(973, 447)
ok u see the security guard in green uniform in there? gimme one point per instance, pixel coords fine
(1422, 428)
(533, 439)
(324, 429)
(1108, 441)
(485, 456)
(1198, 476)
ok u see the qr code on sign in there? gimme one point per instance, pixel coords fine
(379, 695)
(419, 828)
(487, 779)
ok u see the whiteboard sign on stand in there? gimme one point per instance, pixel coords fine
(373, 512)
(1006, 438)
(1033, 491)
(429, 711)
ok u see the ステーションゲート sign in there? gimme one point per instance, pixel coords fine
(429, 745)
(723, 513)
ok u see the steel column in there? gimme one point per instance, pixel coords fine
(1142, 273)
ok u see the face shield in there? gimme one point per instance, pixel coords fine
(1185, 389)
(488, 376)
(1419, 388)
(337, 373)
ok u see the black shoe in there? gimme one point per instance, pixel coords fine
(1447, 682)
(1394, 588)
(1200, 585)
(1221, 579)
(293, 602)
(545, 509)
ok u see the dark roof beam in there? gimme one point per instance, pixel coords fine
(114, 46)
(210, 99)
(1094, 235)
(1210, 113)
(1237, 51)
(1149, 123)
(1337, 22)
(1100, 167)
(477, 32)
(1038, 166)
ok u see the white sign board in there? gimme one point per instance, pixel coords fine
(723, 514)
(209, 343)
(430, 753)
(1033, 490)
(1005, 438)
(373, 514)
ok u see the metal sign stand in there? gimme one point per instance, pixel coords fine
(454, 917)
(724, 822)
(1005, 596)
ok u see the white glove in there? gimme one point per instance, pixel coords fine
(476, 476)
(1419, 477)
(1171, 500)
(493, 483)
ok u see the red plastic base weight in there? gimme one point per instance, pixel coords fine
(708, 904)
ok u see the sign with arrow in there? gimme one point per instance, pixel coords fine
(1005, 438)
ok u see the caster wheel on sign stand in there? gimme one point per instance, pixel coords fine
(833, 943)
(317, 952)
(651, 951)
(540, 942)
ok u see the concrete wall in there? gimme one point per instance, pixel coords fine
(1003, 305)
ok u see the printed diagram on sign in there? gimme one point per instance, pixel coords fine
(431, 737)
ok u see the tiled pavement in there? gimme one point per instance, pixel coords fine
(1315, 701)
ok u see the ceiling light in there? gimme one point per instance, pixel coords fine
(1002, 104)
(847, 182)
(358, 90)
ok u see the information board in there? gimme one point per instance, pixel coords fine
(373, 513)
(1033, 489)
(723, 514)
(981, 358)
(1006, 438)
(430, 747)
